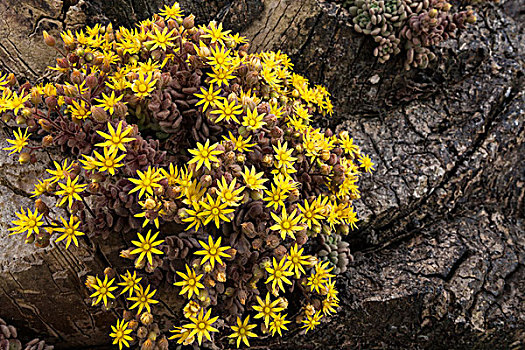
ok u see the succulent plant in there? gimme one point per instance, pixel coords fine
(336, 251)
(205, 157)
(9, 341)
(411, 26)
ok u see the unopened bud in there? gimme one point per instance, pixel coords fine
(99, 114)
(49, 40)
(146, 318)
(24, 158)
(189, 22)
(41, 207)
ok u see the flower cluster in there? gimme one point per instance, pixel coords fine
(411, 26)
(205, 157)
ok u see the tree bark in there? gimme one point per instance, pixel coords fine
(439, 255)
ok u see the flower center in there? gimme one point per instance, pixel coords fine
(286, 225)
(142, 88)
(213, 251)
(215, 211)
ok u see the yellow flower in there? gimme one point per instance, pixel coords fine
(70, 191)
(220, 57)
(278, 324)
(146, 246)
(348, 143)
(366, 163)
(88, 162)
(69, 230)
(227, 111)
(143, 299)
(329, 305)
(61, 172)
(143, 85)
(242, 331)
(182, 335)
(103, 290)
(253, 180)
(237, 39)
(191, 309)
(108, 161)
(121, 334)
(130, 282)
(109, 102)
(172, 12)
(215, 33)
(316, 282)
(227, 193)
(190, 282)
(298, 260)
(40, 188)
(286, 224)
(323, 270)
(160, 39)
(212, 251)
(19, 142)
(172, 174)
(253, 120)
(79, 111)
(278, 273)
(240, 144)
(208, 97)
(148, 67)
(283, 155)
(152, 210)
(310, 213)
(193, 216)
(221, 76)
(204, 154)
(16, 102)
(29, 222)
(267, 309)
(275, 197)
(202, 325)
(214, 210)
(312, 321)
(331, 292)
(147, 181)
(116, 138)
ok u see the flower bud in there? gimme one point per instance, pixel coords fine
(189, 22)
(20, 119)
(41, 207)
(24, 158)
(142, 332)
(51, 102)
(146, 318)
(48, 39)
(89, 57)
(99, 114)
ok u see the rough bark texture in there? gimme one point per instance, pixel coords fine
(439, 257)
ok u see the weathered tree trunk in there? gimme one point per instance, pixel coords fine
(439, 256)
